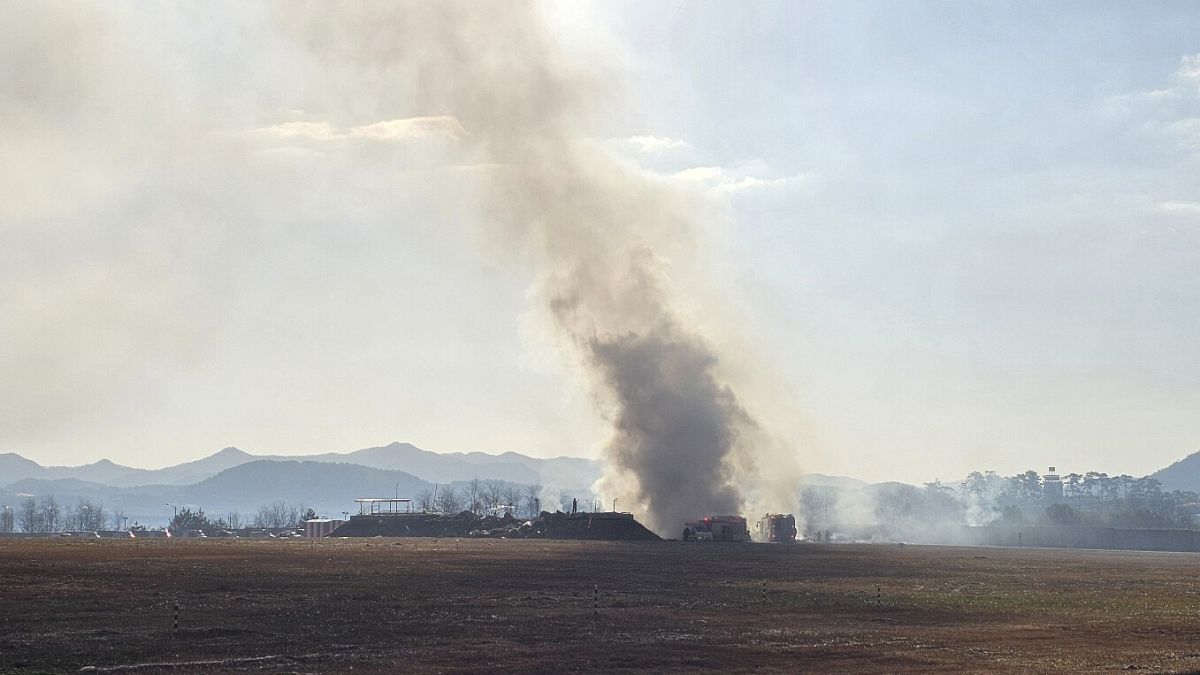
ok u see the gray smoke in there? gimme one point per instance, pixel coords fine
(676, 425)
(613, 245)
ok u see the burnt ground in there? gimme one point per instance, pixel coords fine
(438, 605)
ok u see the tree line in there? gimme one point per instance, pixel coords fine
(46, 514)
(482, 497)
(1092, 499)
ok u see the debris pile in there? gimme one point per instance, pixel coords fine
(558, 525)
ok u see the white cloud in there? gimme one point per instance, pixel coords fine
(384, 131)
(1189, 70)
(722, 181)
(1180, 207)
(654, 145)
(1172, 111)
(316, 131)
(413, 127)
(701, 174)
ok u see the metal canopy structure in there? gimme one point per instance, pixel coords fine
(383, 506)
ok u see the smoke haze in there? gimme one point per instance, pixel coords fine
(609, 242)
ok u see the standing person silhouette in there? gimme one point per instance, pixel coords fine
(574, 505)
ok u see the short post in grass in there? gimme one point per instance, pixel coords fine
(596, 600)
(878, 596)
(175, 624)
(764, 590)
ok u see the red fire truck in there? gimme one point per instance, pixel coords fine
(717, 528)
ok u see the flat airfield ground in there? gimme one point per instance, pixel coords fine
(446, 605)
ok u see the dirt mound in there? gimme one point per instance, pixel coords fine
(558, 525)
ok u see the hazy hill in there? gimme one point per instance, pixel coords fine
(435, 466)
(839, 482)
(103, 471)
(328, 487)
(58, 486)
(14, 467)
(571, 473)
(188, 472)
(1182, 475)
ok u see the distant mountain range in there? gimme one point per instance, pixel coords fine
(432, 466)
(329, 488)
(235, 480)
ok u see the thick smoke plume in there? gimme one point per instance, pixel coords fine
(610, 242)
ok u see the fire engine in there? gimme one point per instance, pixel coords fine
(717, 528)
(776, 527)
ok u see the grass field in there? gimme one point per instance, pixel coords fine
(386, 605)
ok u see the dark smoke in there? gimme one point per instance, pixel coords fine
(676, 425)
(611, 242)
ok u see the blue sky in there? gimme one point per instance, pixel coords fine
(963, 235)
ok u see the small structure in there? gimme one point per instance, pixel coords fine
(320, 527)
(1052, 487)
(384, 506)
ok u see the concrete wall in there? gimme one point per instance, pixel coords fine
(1084, 537)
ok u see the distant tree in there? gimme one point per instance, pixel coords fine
(7, 519)
(425, 500)
(985, 485)
(511, 499)
(941, 504)
(1030, 486)
(1093, 482)
(1062, 514)
(1072, 482)
(85, 515)
(448, 501)
(474, 496)
(493, 494)
(234, 520)
(28, 516)
(533, 502)
(1012, 515)
(50, 514)
(309, 514)
(117, 518)
(295, 513)
(277, 514)
(188, 519)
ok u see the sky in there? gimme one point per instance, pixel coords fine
(956, 236)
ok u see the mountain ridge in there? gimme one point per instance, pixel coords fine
(562, 471)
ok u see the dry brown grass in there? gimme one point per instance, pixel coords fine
(486, 605)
